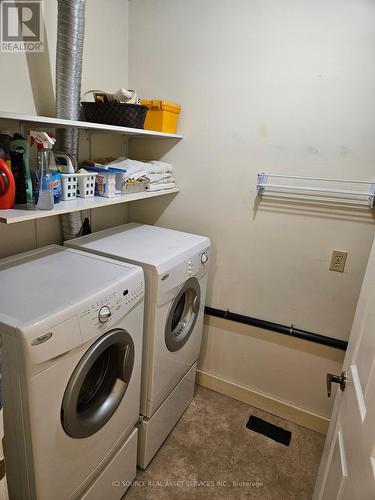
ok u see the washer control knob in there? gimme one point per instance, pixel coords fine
(104, 314)
(204, 258)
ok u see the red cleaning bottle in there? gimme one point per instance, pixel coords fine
(7, 186)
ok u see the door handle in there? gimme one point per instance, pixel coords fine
(336, 379)
(196, 304)
(123, 364)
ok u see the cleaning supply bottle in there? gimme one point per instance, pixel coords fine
(56, 179)
(65, 163)
(5, 137)
(19, 155)
(7, 186)
(45, 193)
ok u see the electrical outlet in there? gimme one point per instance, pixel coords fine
(338, 261)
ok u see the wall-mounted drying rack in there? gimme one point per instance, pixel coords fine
(263, 183)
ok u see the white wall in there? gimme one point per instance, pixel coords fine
(29, 88)
(285, 87)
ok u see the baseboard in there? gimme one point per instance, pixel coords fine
(264, 402)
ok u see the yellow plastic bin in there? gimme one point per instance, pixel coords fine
(161, 115)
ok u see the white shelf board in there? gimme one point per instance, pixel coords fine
(24, 212)
(50, 122)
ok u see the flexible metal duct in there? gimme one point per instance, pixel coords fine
(69, 53)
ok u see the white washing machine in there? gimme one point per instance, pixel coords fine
(72, 327)
(176, 268)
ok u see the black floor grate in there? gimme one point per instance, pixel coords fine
(272, 431)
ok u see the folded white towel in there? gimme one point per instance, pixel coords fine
(164, 168)
(163, 164)
(134, 164)
(159, 187)
(158, 177)
(131, 166)
(164, 181)
(118, 163)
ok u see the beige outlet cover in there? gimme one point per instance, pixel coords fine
(338, 261)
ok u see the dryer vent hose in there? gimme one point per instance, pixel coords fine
(69, 53)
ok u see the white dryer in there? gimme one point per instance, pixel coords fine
(176, 269)
(72, 327)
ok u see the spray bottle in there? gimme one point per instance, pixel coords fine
(45, 196)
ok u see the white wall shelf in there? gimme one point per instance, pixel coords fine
(28, 212)
(50, 122)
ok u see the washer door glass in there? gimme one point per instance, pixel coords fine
(183, 315)
(98, 384)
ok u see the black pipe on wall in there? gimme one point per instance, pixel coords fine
(276, 327)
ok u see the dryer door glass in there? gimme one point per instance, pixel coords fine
(183, 315)
(98, 384)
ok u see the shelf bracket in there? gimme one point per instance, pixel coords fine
(22, 128)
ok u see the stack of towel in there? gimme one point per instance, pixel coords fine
(158, 173)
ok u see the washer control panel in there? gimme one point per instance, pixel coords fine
(108, 309)
(133, 295)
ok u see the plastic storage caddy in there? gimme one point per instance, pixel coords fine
(81, 185)
(161, 115)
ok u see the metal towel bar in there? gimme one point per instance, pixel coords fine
(263, 178)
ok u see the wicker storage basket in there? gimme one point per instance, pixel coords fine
(113, 113)
(134, 187)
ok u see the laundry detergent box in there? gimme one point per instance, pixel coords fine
(109, 181)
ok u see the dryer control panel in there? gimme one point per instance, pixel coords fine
(196, 266)
(198, 263)
(106, 310)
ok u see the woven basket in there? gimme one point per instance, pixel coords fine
(134, 187)
(113, 113)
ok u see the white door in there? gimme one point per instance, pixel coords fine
(347, 469)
